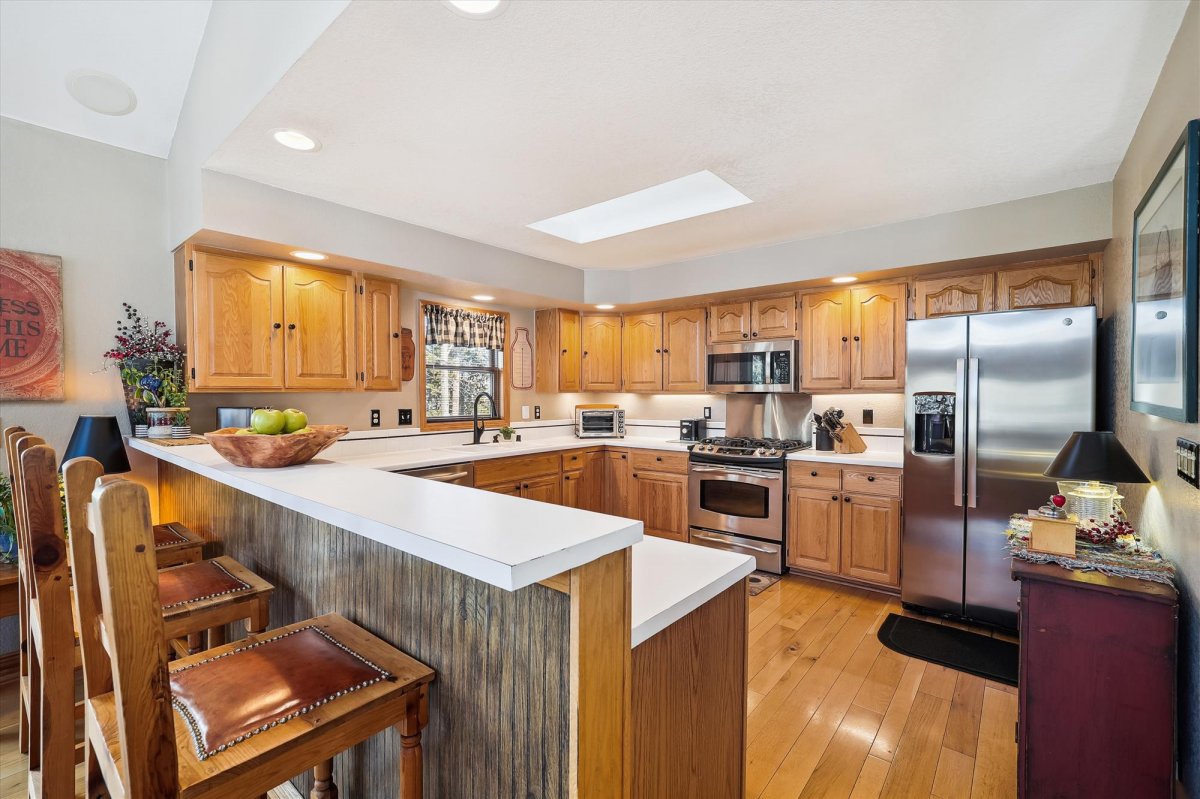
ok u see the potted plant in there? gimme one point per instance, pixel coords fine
(152, 373)
(507, 434)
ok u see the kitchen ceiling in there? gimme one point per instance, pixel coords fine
(829, 116)
(151, 47)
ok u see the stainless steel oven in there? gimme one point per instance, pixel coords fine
(753, 367)
(739, 508)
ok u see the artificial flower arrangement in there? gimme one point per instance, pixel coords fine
(152, 369)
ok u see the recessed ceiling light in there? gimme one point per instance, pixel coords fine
(476, 9)
(482, 297)
(683, 198)
(101, 92)
(845, 279)
(305, 255)
(605, 307)
(296, 140)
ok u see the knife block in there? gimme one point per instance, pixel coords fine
(851, 443)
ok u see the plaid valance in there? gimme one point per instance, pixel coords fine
(462, 328)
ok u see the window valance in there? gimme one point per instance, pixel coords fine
(463, 328)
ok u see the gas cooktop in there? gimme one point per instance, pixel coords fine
(740, 449)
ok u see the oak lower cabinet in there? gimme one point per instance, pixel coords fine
(664, 351)
(601, 356)
(583, 480)
(559, 350)
(660, 502)
(845, 521)
(543, 489)
(617, 477)
(529, 476)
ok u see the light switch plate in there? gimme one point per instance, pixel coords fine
(707, 412)
(524, 411)
(405, 416)
(868, 416)
(1186, 455)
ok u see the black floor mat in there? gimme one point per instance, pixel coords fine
(949, 646)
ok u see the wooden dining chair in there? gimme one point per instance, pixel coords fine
(233, 721)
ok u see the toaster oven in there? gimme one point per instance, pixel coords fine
(599, 423)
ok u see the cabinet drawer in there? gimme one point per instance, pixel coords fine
(877, 482)
(803, 474)
(576, 458)
(649, 460)
(501, 470)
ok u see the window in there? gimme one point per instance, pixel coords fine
(463, 357)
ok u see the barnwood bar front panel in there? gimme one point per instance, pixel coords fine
(500, 708)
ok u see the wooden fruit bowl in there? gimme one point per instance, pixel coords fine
(273, 452)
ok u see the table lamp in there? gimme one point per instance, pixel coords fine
(98, 437)
(1089, 458)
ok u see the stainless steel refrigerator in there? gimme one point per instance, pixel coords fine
(990, 400)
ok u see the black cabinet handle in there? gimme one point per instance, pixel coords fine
(292, 326)
(276, 325)
(755, 334)
(658, 351)
(834, 497)
(658, 458)
(584, 353)
(395, 335)
(565, 352)
(870, 478)
(843, 338)
(745, 335)
(635, 475)
(525, 485)
(623, 457)
(813, 472)
(855, 338)
(665, 350)
(847, 499)
(566, 477)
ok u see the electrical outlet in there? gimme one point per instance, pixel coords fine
(1186, 455)
(868, 416)
(375, 417)
(537, 411)
(405, 416)
(707, 412)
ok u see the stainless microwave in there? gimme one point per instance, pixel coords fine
(753, 367)
(599, 423)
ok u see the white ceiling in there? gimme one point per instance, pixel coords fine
(830, 116)
(151, 46)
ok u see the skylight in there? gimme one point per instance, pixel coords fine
(683, 198)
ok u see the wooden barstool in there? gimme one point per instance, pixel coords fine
(175, 544)
(236, 720)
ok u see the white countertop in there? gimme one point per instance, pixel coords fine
(872, 457)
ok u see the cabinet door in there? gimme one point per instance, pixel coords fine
(683, 350)
(871, 539)
(236, 340)
(814, 529)
(1061, 285)
(570, 350)
(584, 488)
(945, 296)
(601, 352)
(641, 340)
(508, 489)
(319, 306)
(616, 483)
(877, 336)
(379, 334)
(660, 502)
(825, 340)
(729, 321)
(543, 489)
(774, 317)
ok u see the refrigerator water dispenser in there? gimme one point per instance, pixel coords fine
(934, 417)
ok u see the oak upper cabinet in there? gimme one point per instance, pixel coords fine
(946, 296)
(773, 317)
(871, 539)
(683, 350)
(559, 350)
(660, 502)
(1060, 284)
(729, 321)
(319, 328)
(814, 529)
(617, 477)
(877, 351)
(825, 340)
(235, 322)
(379, 334)
(641, 343)
(601, 336)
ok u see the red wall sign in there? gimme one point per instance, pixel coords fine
(31, 338)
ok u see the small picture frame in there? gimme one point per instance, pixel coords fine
(1166, 241)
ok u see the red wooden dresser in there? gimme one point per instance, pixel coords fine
(1097, 685)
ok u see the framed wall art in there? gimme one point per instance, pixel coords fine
(1165, 244)
(31, 331)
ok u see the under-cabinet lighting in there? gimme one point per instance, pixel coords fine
(306, 255)
(683, 198)
(605, 307)
(482, 297)
(844, 279)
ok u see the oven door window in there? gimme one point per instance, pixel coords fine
(596, 423)
(737, 369)
(733, 498)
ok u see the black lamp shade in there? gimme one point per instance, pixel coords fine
(1096, 456)
(98, 437)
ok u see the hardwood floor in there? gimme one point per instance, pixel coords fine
(833, 713)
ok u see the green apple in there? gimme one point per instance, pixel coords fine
(245, 431)
(294, 420)
(267, 421)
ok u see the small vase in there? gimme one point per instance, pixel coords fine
(181, 431)
(160, 422)
(140, 430)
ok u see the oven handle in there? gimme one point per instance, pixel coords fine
(704, 537)
(766, 475)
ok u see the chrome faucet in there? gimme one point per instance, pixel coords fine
(476, 426)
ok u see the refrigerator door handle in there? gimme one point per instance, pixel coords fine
(972, 431)
(960, 387)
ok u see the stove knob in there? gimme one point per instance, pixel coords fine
(772, 451)
(760, 451)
